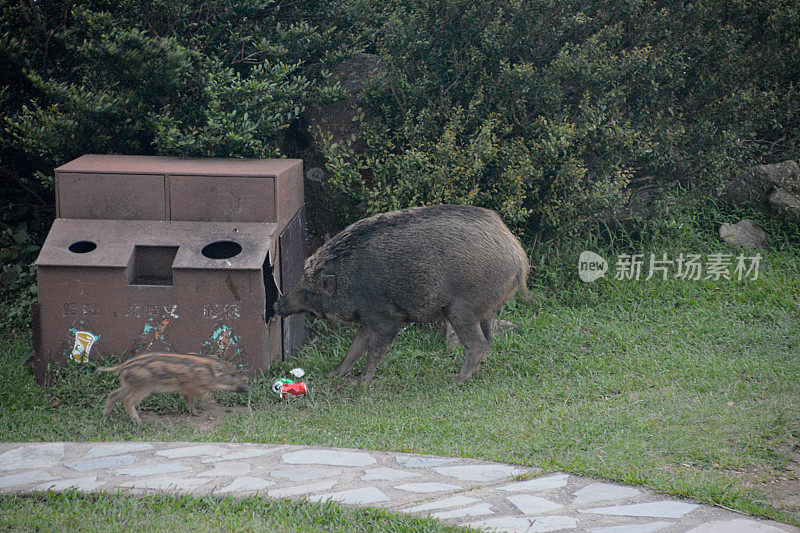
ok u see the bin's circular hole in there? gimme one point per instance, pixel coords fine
(82, 247)
(222, 250)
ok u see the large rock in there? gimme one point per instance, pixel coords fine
(776, 188)
(745, 233)
(787, 204)
(785, 175)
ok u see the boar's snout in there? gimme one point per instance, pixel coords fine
(289, 304)
(243, 388)
(281, 308)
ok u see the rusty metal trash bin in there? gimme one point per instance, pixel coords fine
(169, 254)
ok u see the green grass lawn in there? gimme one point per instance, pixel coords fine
(687, 387)
(98, 512)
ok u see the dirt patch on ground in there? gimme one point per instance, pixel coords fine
(785, 490)
(782, 489)
(208, 419)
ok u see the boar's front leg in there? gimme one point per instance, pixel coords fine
(475, 348)
(380, 339)
(188, 398)
(354, 353)
(473, 335)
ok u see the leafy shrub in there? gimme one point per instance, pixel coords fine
(17, 278)
(550, 111)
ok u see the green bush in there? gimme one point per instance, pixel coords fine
(178, 78)
(549, 111)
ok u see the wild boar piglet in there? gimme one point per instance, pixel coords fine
(193, 376)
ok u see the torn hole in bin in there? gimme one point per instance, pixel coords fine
(271, 287)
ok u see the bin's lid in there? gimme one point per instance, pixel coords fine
(141, 164)
(201, 245)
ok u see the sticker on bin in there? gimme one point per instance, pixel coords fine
(84, 340)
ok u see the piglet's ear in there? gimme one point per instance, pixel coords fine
(328, 284)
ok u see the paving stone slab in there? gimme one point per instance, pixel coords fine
(328, 457)
(739, 526)
(245, 485)
(102, 463)
(301, 490)
(480, 472)
(650, 527)
(428, 487)
(537, 484)
(306, 473)
(227, 469)
(168, 484)
(82, 484)
(243, 454)
(152, 470)
(505, 523)
(660, 509)
(528, 525)
(414, 461)
(532, 505)
(22, 479)
(362, 496)
(32, 456)
(387, 474)
(553, 523)
(598, 492)
(455, 501)
(117, 448)
(474, 510)
(191, 451)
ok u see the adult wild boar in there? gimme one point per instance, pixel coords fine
(422, 264)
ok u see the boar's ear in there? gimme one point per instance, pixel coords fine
(328, 284)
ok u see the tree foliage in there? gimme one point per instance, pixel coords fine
(548, 111)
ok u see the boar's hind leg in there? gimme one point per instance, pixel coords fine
(487, 327)
(471, 335)
(132, 401)
(354, 353)
(113, 398)
(377, 346)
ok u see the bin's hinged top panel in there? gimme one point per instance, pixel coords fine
(200, 245)
(126, 187)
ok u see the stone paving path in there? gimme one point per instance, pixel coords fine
(484, 495)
